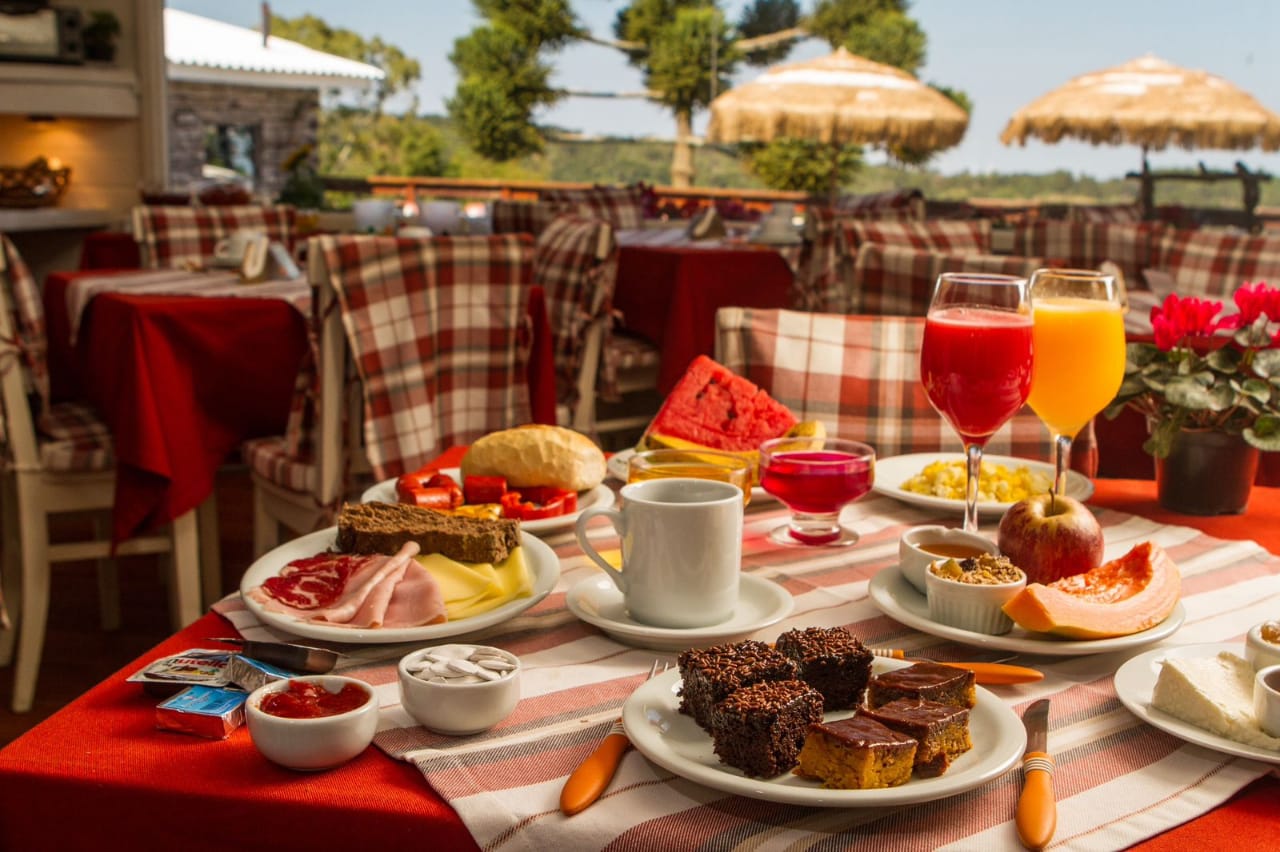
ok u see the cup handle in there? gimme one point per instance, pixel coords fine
(580, 529)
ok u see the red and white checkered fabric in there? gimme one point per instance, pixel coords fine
(859, 375)
(272, 459)
(575, 261)
(439, 332)
(898, 281)
(1214, 263)
(174, 236)
(620, 206)
(27, 318)
(1117, 213)
(825, 267)
(625, 353)
(1085, 245)
(892, 204)
(967, 236)
(73, 438)
(523, 217)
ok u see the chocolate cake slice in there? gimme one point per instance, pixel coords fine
(760, 728)
(931, 681)
(832, 661)
(710, 675)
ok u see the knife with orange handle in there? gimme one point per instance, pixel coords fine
(984, 673)
(1037, 813)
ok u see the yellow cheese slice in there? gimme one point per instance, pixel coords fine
(473, 588)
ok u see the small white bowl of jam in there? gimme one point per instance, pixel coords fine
(312, 722)
(1262, 645)
(920, 546)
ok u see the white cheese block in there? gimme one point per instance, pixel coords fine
(1214, 693)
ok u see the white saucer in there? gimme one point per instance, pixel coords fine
(596, 600)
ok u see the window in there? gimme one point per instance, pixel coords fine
(233, 147)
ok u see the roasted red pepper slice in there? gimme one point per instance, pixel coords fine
(484, 489)
(424, 488)
(539, 501)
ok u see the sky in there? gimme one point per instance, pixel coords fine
(1002, 53)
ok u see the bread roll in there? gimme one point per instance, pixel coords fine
(537, 455)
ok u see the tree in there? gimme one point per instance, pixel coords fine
(364, 140)
(879, 30)
(804, 165)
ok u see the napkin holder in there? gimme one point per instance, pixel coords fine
(707, 225)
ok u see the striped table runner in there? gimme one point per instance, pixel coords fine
(1118, 780)
(181, 282)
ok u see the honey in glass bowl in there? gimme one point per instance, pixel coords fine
(695, 464)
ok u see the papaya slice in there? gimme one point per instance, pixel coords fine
(1118, 598)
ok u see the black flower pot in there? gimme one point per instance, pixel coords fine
(1206, 473)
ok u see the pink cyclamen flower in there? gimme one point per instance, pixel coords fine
(1177, 318)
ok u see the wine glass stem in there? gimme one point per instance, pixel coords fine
(1062, 458)
(973, 462)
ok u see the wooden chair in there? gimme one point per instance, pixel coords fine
(860, 375)
(576, 263)
(176, 236)
(60, 461)
(436, 334)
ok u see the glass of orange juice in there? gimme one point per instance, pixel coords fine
(697, 464)
(1077, 332)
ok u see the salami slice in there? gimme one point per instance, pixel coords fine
(314, 582)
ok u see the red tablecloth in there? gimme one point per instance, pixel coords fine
(101, 760)
(183, 380)
(670, 295)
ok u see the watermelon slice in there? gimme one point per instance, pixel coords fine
(712, 407)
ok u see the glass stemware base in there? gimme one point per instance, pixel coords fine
(810, 530)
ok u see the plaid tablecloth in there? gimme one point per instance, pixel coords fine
(1118, 780)
(181, 282)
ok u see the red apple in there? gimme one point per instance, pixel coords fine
(1050, 537)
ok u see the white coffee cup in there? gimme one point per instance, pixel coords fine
(681, 550)
(1266, 700)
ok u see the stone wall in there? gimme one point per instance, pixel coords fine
(284, 119)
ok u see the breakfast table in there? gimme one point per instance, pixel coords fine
(668, 293)
(1119, 782)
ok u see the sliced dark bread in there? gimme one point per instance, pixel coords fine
(385, 527)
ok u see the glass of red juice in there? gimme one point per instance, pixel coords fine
(975, 361)
(816, 478)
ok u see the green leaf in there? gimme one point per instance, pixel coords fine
(1266, 363)
(1265, 433)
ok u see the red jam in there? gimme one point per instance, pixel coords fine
(305, 700)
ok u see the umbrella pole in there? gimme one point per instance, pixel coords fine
(1147, 192)
(833, 184)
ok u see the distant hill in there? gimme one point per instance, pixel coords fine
(624, 160)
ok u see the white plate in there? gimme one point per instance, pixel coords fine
(891, 472)
(541, 559)
(1136, 680)
(596, 600)
(674, 741)
(617, 466)
(601, 495)
(899, 600)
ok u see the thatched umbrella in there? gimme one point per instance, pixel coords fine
(842, 99)
(1152, 103)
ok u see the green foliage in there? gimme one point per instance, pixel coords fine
(401, 71)
(879, 30)
(546, 22)
(353, 142)
(679, 62)
(804, 165)
(763, 17)
(495, 125)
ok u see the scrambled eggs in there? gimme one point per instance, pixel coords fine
(997, 482)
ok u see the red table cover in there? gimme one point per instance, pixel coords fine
(101, 757)
(670, 295)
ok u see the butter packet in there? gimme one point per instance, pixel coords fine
(249, 674)
(195, 667)
(203, 711)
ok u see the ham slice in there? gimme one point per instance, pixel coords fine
(369, 594)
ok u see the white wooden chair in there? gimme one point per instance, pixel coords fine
(66, 464)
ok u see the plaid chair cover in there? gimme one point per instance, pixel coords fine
(173, 236)
(969, 236)
(523, 217)
(620, 206)
(859, 375)
(1214, 263)
(438, 331)
(892, 204)
(70, 435)
(898, 281)
(1085, 245)
(1129, 214)
(825, 265)
(579, 290)
(272, 459)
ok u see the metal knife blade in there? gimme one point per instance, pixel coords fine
(302, 658)
(1037, 814)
